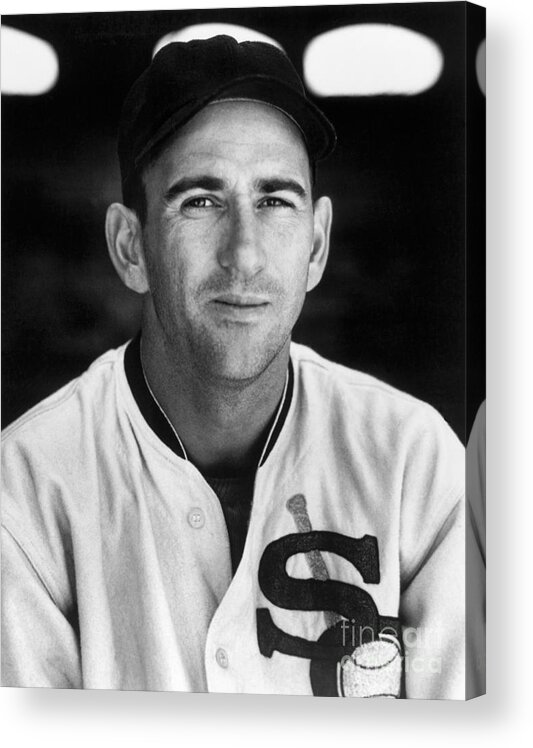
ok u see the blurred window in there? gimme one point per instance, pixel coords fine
(29, 64)
(369, 59)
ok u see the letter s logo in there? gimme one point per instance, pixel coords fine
(346, 600)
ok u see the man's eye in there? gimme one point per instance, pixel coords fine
(199, 202)
(275, 202)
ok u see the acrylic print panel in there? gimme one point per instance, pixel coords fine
(190, 501)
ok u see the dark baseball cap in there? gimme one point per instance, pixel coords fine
(184, 77)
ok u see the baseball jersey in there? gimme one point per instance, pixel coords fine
(116, 564)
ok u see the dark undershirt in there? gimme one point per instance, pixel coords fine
(235, 495)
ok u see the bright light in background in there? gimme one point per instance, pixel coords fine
(29, 64)
(481, 63)
(369, 59)
(207, 30)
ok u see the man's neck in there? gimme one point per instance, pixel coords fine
(222, 425)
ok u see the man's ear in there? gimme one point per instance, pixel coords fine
(323, 212)
(124, 243)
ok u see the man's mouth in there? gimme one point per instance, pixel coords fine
(244, 301)
(240, 309)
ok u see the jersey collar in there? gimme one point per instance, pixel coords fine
(156, 419)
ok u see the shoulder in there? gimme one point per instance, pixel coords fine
(48, 469)
(57, 436)
(400, 445)
(383, 421)
(354, 388)
(57, 412)
(51, 457)
(312, 364)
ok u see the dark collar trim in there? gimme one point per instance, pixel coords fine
(156, 420)
(143, 397)
(282, 415)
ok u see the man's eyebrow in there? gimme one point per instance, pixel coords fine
(201, 182)
(277, 184)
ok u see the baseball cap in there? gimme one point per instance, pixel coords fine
(184, 77)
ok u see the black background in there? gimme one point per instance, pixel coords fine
(392, 301)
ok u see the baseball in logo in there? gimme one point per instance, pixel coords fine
(359, 652)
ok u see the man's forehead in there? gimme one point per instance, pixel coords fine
(255, 104)
(236, 133)
(244, 121)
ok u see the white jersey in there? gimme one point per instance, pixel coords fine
(116, 560)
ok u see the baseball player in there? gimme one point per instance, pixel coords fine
(211, 507)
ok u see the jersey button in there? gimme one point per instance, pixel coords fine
(221, 657)
(196, 518)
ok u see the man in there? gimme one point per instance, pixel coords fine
(212, 507)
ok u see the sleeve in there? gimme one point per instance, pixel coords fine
(432, 607)
(39, 644)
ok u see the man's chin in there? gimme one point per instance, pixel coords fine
(240, 365)
(238, 373)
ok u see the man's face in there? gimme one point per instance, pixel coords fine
(229, 236)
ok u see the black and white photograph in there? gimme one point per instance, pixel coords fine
(243, 350)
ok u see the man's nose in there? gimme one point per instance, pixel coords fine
(241, 252)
